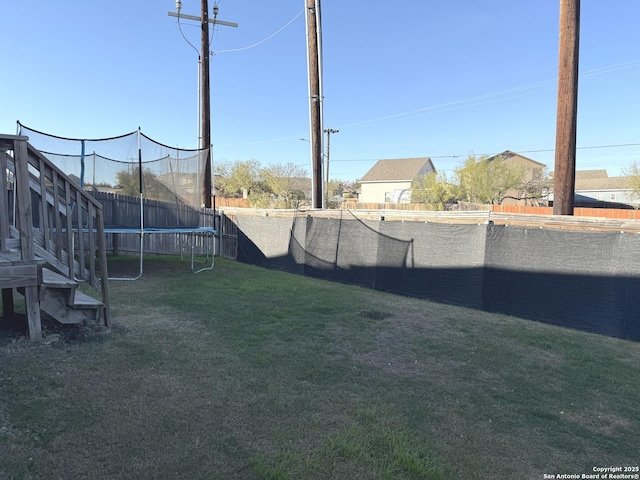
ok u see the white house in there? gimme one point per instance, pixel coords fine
(389, 181)
(598, 188)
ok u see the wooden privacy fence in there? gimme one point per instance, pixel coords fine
(623, 214)
(123, 211)
(619, 213)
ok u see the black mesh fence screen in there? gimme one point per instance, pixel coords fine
(583, 280)
(347, 250)
(265, 241)
(444, 264)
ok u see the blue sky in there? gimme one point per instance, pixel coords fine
(401, 79)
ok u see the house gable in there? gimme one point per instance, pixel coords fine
(512, 158)
(533, 172)
(390, 180)
(398, 170)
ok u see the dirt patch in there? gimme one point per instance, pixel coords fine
(396, 349)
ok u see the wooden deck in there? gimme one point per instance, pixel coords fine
(22, 274)
(16, 272)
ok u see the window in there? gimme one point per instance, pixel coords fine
(536, 174)
(613, 197)
(387, 197)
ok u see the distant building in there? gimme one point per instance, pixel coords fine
(598, 188)
(389, 181)
(596, 185)
(533, 176)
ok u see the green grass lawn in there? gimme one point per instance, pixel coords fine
(246, 373)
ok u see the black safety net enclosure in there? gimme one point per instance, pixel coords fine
(131, 164)
(585, 280)
(151, 193)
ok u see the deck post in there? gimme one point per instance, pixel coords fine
(32, 301)
(4, 202)
(25, 227)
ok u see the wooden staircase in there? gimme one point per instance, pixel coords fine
(60, 298)
(51, 240)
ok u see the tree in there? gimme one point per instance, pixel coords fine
(536, 188)
(238, 178)
(287, 182)
(129, 180)
(487, 181)
(435, 190)
(335, 190)
(632, 174)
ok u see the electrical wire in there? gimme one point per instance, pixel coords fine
(261, 41)
(478, 100)
(546, 150)
(485, 98)
(183, 36)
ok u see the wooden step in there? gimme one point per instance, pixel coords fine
(85, 310)
(52, 281)
(61, 299)
(55, 280)
(85, 301)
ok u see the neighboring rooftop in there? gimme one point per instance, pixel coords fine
(591, 174)
(598, 180)
(588, 174)
(507, 154)
(398, 170)
(602, 183)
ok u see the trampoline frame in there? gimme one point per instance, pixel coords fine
(192, 232)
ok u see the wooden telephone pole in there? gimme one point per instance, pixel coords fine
(315, 98)
(205, 93)
(205, 102)
(564, 177)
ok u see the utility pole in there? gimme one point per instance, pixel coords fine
(564, 177)
(314, 38)
(205, 92)
(205, 101)
(328, 131)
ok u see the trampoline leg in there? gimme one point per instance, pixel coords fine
(141, 263)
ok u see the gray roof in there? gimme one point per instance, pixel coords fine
(590, 174)
(398, 170)
(591, 180)
(602, 183)
(507, 154)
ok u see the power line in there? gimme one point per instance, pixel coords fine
(546, 150)
(492, 96)
(458, 104)
(261, 41)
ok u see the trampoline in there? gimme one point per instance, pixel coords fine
(193, 233)
(147, 189)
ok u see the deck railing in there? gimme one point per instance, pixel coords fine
(64, 224)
